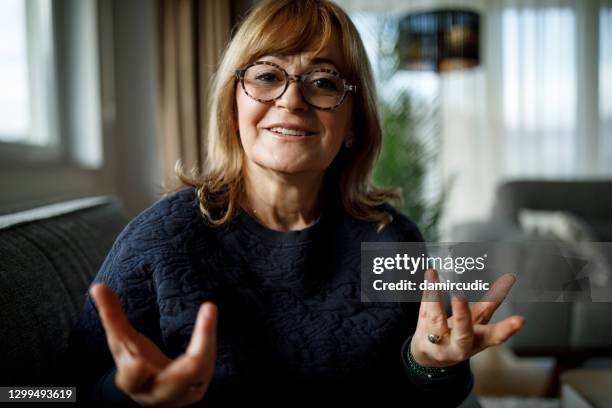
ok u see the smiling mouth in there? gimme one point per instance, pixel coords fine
(290, 132)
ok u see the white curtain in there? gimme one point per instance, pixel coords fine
(538, 89)
(539, 105)
(515, 115)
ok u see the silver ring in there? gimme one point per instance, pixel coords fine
(434, 338)
(195, 386)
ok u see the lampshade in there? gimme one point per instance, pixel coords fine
(440, 40)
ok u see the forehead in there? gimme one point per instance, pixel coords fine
(330, 55)
(306, 62)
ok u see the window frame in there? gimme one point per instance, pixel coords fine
(42, 84)
(64, 82)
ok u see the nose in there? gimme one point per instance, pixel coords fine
(292, 99)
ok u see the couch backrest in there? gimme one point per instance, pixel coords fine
(589, 200)
(48, 256)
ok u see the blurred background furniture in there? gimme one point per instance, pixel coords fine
(589, 200)
(582, 388)
(571, 332)
(49, 256)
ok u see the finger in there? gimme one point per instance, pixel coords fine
(154, 356)
(197, 364)
(179, 376)
(498, 333)
(119, 332)
(111, 312)
(463, 330)
(484, 309)
(432, 316)
(134, 374)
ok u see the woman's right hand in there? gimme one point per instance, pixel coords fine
(144, 372)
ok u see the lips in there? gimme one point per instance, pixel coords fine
(290, 132)
(288, 129)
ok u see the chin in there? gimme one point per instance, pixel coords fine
(287, 168)
(284, 166)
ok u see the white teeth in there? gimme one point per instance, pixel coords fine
(292, 132)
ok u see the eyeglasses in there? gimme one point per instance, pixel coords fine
(321, 88)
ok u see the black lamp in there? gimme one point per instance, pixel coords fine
(440, 40)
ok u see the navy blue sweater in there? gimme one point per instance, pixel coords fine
(291, 324)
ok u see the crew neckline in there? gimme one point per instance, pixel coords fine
(290, 237)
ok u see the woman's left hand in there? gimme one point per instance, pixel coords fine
(466, 332)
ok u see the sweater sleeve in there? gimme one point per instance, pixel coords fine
(444, 391)
(91, 366)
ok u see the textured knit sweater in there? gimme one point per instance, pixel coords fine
(291, 327)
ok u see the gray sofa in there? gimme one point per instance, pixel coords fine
(49, 256)
(572, 332)
(590, 200)
(580, 329)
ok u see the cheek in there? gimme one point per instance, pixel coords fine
(336, 132)
(250, 114)
(244, 110)
(337, 124)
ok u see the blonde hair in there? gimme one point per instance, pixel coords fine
(287, 27)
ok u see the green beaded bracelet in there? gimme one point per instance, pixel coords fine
(429, 372)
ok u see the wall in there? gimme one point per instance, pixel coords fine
(136, 161)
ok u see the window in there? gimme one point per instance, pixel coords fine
(539, 93)
(50, 69)
(27, 74)
(14, 101)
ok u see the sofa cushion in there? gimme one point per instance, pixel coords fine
(49, 257)
(562, 225)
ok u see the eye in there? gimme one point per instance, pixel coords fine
(268, 77)
(325, 83)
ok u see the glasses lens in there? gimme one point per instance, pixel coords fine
(323, 89)
(264, 82)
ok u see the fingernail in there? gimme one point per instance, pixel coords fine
(208, 310)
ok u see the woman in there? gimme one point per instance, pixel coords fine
(245, 286)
